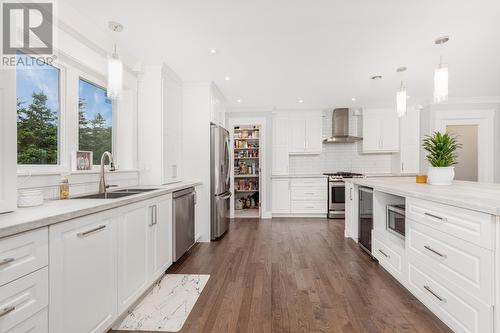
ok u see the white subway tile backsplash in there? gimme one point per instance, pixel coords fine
(340, 157)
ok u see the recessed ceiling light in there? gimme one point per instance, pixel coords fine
(353, 99)
(213, 51)
(300, 101)
(376, 77)
(227, 78)
(238, 100)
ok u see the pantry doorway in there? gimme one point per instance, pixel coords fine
(248, 167)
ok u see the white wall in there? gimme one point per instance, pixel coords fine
(341, 157)
(486, 112)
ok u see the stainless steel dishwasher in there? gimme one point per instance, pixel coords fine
(183, 226)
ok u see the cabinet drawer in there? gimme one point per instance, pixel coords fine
(22, 254)
(309, 183)
(389, 258)
(465, 224)
(38, 323)
(459, 311)
(309, 207)
(466, 265)
(302, 193)
(21, 299)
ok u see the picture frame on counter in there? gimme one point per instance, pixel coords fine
(81, 160)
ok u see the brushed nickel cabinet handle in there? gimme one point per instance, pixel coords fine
(427, 247)
(385, 254)
(6, 261)
(6, 311)
(435, 216)
(433, 293)
(91, 231)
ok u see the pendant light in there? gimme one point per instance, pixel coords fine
(115, 68)
(441, 76)
(401, 95)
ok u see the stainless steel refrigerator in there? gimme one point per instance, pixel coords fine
(220, 179)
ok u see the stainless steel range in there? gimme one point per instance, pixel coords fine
(336, 193)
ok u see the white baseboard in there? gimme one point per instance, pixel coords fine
(267, 215)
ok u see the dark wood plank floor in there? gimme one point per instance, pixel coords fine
(297, 275)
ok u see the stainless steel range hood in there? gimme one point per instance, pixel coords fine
(340, 128)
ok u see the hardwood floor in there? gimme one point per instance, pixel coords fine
(297, 275)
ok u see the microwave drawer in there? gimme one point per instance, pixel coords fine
(463, 264)
(471, 226)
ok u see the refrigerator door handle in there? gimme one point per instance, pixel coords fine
(228, 161)
(225, 196)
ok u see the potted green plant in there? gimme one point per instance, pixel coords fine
(441, 151)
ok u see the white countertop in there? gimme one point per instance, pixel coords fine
(55, 211)
(482, 197)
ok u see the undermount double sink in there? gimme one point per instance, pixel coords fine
(117, 194)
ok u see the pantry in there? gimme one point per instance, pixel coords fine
(247, 167)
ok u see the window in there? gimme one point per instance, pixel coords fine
(95, 117)
(38, 106)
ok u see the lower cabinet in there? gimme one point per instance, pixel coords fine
(281, 196)
(83, 280)
(160, 237)
(100, 264)
(133, 230)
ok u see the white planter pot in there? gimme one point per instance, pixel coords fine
(440, 175)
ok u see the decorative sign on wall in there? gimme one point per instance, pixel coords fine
(82, 160)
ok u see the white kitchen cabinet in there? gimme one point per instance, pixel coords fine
(380, 131)
(408, 159)
(217, 108)
(280, 144)
(160, 236)
(133, 230)
(160, 103)
(306, 135)
(281, 196)
(8, 162)
(308, 196)
(82, 270)
(349, 209)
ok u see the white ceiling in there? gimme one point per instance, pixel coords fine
(321, 51)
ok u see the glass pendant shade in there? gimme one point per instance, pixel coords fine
(115, 76)
(441, 83)
(401, 101)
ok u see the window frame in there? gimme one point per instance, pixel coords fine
(61, 131)
(100, 84)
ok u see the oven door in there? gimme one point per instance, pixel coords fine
(337, 196)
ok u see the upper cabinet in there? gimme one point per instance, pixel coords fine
(408, 159)
(280, 144)
(217, 108)
(306, 135)
(8, 179)
(380, 131)
(160, 125)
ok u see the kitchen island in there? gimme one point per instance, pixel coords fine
(448, 254)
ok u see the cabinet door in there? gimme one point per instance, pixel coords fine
(371, 131)
(280, 130)
(280, 160)
(297, 134)
(133, 230)
(281, 196)
(172, 145)
(160, 243)
(314, 133)
(410, 142)
(8, 179)
(83, 277)
(389, 131)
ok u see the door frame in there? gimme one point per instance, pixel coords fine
(262, 122)
(485, 120)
